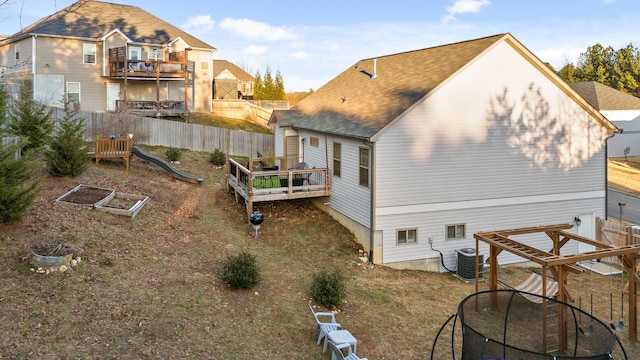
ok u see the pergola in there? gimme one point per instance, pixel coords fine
(560, 265)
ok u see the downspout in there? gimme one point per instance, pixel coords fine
(372, 210)
(33, 63)
(606, 172)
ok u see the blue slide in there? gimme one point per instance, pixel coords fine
(165, 165)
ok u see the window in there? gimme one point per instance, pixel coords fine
(155, 54)
(315, 142)
(455, 231)
(337, 158)
(88, 53)
(73, 92)
(135, 54)
(16, 48)
(364, 166)
(407, 236)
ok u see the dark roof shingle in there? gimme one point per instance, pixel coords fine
(354, 105)
(603, 97)
(94, 19)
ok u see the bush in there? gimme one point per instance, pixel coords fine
(18, 187)
(30, 119)
(68, 154)
(328, 288)
(173, 154)
(241, 271)
(218, 158)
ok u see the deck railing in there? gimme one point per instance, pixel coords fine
(255, 186)
(120, 66)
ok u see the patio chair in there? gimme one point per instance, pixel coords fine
(324, 325)
(336, 352)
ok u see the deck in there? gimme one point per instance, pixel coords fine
(258, 186)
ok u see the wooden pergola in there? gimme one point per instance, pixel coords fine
(560, 265)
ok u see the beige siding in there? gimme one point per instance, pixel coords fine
(497, 146)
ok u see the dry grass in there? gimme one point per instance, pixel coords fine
(150, 287)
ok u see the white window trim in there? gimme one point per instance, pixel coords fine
(79, 90)
(338, 159)
(368, 166)
(85, 53)
(16, 51)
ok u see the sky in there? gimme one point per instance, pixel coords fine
(310, 42)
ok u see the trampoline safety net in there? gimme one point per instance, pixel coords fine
(503, 324)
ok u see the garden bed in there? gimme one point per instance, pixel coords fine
(105, 199)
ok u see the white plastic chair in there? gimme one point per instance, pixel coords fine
(336, 352)
(326, 322)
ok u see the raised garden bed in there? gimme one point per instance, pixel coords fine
(105, 199)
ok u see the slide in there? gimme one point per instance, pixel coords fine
(165, 165)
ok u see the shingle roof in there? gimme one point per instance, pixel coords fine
(220, 65)
(603, 97)
(353, 105)
(93, 19)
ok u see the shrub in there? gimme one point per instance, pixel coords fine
(173, 154)
(68, 154)
(18, 188)
(30, 119)
(241, 271)
(328, 288)
(218, 158)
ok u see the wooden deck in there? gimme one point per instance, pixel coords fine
(257, 186)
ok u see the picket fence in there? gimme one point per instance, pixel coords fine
(177, 134)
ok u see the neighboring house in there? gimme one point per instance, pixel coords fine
(427, 147)
(101, 54)
(623, 110)
(231, 82)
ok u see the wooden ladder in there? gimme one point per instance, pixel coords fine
(551, 326)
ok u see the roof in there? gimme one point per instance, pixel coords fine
(221, 65)
(93, 19)
(353, 105)
(603, 97)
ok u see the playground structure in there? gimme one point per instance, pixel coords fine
(122, 147)
(554, 264)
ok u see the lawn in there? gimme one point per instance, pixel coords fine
(150, 288)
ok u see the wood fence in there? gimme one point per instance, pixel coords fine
(617, 233)
(158, 132)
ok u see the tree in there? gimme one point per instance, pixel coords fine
(30, 119)
(626, 70)
(279, 94)
(269, 85)
(267, 88)
(258, 87)
(17, 187)
(68, 154)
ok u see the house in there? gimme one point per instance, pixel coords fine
(623, 110)
(102, 56)
(231, 82)
(425, 148)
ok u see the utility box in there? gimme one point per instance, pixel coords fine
(466, 263)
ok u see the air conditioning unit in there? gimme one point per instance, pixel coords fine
(467, 262)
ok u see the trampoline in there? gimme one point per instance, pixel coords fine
(504, 324)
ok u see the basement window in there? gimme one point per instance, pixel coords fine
(456, 231)
(407, 236)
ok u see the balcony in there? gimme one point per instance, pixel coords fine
(176, 68)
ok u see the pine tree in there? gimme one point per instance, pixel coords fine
(279, 86)
(269, 85)
(17, 187)
(258, 87)
(68, 154)
(30, 119)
